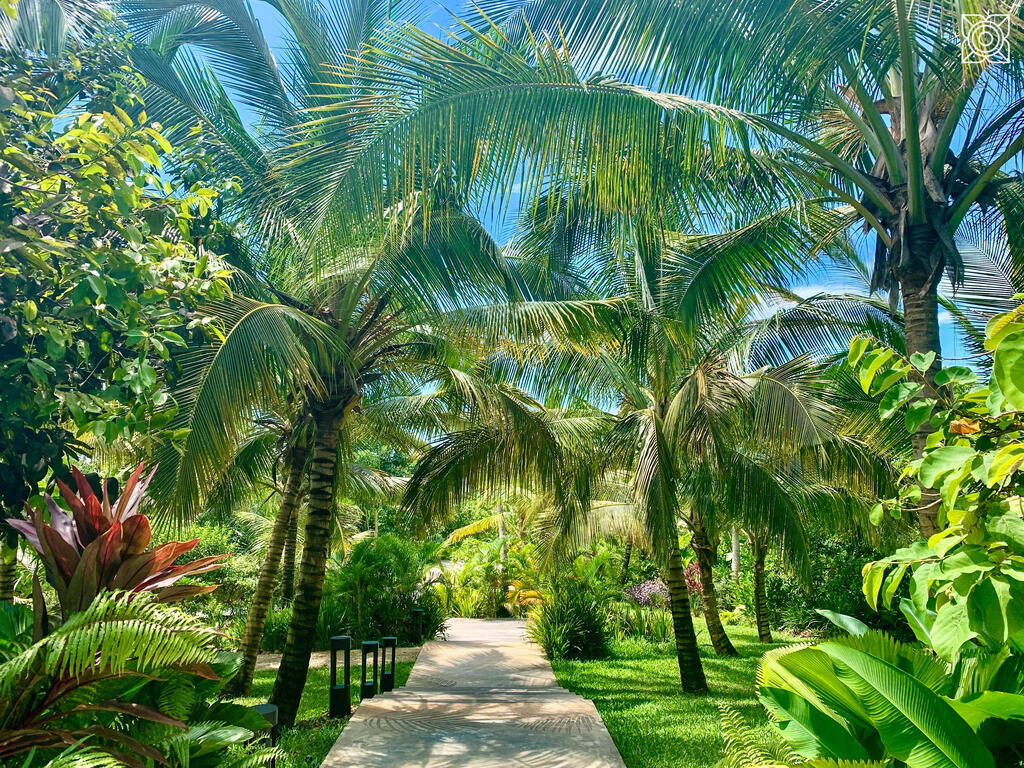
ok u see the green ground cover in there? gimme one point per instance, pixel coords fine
(636, 690)
(306, 745)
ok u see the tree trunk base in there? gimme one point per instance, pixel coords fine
(691, 671)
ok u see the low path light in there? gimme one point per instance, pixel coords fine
(368, 688)
(417, 624)
(387, 676)
(341, 695)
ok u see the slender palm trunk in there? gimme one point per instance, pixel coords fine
(691, 671)
(8, 572)
(241, 683)
(706, 554)
(288, 557)
(625, 560)
(291, 675)
(503, 550)
(764, 632)
(921, 326)
(735, 558)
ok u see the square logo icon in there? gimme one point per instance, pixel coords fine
(985, 38)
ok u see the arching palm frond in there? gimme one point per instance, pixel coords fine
(256, 360)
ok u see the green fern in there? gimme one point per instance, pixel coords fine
(746, 749)
(73, 679)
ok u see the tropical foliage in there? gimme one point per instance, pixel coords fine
(103, 544)
(134, 679)
(511, 323)
(966, 582)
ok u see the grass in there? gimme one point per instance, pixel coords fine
(306, 745)
(636, 690)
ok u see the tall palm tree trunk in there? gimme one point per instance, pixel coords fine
(764, 632)
(921, 326)
(691, 671)
(8, 572)
(706, 554)
(735, 557)
(288, 557)
(291, 675)
(241, 683)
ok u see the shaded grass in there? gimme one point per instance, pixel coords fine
(636, 690)
(306, 745)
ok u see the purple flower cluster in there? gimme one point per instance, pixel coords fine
(653, 592)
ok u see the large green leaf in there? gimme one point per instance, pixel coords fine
(916, 725)
(1008, 369)
(809, 731)
(942, 460)
(952, 628)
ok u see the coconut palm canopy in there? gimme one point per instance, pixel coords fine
(634, 363)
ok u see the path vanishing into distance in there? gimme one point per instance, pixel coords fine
(483, 698)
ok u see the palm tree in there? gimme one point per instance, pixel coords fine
(342, 314)
(695, 431)
(641, 105)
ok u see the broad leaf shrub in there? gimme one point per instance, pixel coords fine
(103, 271)
(101, 544)
(954, 698)
(967, 581)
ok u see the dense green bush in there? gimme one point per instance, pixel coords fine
(835, 567)
(571, 623)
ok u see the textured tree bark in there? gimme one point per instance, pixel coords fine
(625, 560)
(291, 675)
(706, 553)
(691, 671)
(764, 632)
(921, 326)
(241, 683)
(8, 572)
(288, 557)
(735, 560)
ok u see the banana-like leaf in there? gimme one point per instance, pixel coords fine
(916, 725)
(809, 731)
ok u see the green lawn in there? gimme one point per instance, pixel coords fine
(307, 744)
(653, 725)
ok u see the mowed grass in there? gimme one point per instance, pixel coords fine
(306, 745)
(637, 692)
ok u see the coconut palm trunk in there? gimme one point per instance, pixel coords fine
(291, 675)
(288, 557)
(8, 572)
(241, 683)
(706, 553)
(691, 671)
(735, 556)
(764, 632)
(921, 325)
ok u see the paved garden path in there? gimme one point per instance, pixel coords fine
(483, 698)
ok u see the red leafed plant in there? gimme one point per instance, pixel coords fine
(104, 545)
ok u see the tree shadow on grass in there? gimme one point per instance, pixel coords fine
(653, 724)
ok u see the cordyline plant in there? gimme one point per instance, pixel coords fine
(105, 545)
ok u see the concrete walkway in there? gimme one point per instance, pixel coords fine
(483, 698)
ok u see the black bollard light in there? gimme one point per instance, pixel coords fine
(368, 688)
(417, 625)
(269, 713)
(341, 695)
(387, 676)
